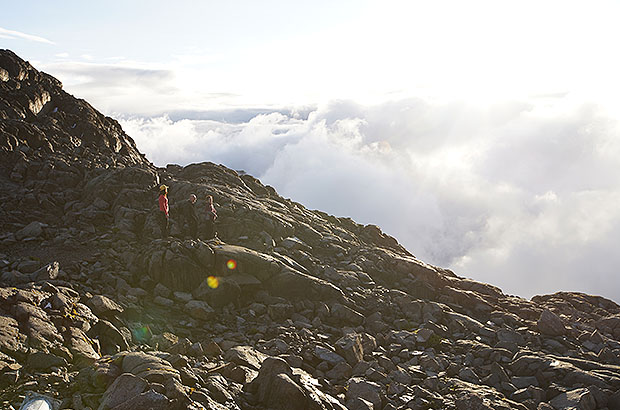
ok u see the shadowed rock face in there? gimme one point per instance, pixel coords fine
(287, 308)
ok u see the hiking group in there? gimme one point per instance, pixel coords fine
(186, 215)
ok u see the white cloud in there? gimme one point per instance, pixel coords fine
(120, 87)
(13, 35)
(521, 194)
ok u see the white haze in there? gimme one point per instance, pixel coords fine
(522, 194)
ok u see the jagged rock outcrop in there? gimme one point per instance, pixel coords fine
(287, 308)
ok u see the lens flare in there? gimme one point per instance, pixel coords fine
(213, 282)
(142, 333)
(231, 264)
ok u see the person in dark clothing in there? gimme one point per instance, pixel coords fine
(211, 217)
(187, 211)
(163, 217)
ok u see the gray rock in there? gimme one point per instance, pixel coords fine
(360, 388)
(246, 356)
(162, 301)
(151, 368)
(278, 387)
(44, 361)
(346, 315)
(81, 347)
(341, 371)
(199, 310)
(523, 382)
(11, 339)
(151, 400)
(32, 230)
(328, 355)
(124, 388)
(350, 347)
(510, 336)
(161, 290)
(182, 296)
(550, 324)
(104, 306)
(579, 399)
(358, 403)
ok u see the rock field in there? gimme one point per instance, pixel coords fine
(317, 312)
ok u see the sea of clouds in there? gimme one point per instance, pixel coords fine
(521, 194)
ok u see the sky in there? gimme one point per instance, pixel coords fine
(483, 135)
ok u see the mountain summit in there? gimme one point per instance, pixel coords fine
(287, 308)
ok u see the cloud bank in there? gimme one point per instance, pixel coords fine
(521, 194)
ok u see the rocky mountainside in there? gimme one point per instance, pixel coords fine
(289, 308)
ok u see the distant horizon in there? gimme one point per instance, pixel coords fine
(484, 137)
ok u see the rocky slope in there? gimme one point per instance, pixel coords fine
(289, 309)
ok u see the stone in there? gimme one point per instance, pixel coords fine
(423, 335)
(162, 301)
(360, 388)
(81, 347)
(278, 387)
(32, 230)
(350, 347)
(11, 339)
(111, 340)
(199, 310)
(150, 399)
(358, 403)
(212, 349)
(523, 382)
(550, 324)
(346, 315)
(182, 296)
(341, 371)
(580, 399)
(125, 387)
(510, 336)
(104, 306)
(44, 361)
(161, 290)
(151, 368)
(246, 356)
(328, 355)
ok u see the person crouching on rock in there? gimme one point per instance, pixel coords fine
(211, 217)
(162, 216)
(188, 214)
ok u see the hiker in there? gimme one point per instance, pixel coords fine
(187, 211)
(211, 216)
(162, 214)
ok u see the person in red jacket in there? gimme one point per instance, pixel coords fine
(163, 217)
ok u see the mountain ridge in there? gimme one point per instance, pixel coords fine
(319, 312)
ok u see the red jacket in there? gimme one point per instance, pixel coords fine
(163, 204)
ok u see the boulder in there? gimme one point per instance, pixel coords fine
(364, 389)
(279, 387)
(246, 356)
(350, 347)
(199, 310)
(32, 230)
(550, 324)
(11, 339)
(124, 388)
(104, 306)
(579, 399)
(151, 400)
